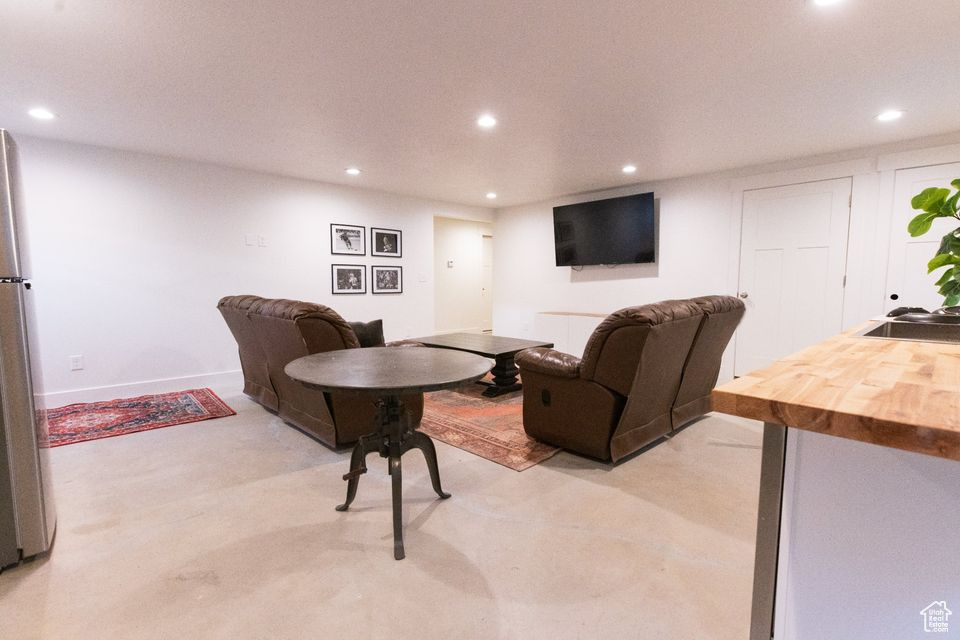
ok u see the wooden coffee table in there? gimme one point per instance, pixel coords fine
(500, 348)
(386, 374)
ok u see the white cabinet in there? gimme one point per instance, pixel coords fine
(867, 541)
(567, 331)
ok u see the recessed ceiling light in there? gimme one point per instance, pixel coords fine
(486, 121)
(353, 171)
(629, 169)
(890, 115)
(41, 113)
(826, 3)
(491, 195)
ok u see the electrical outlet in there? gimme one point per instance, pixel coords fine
(76, 363)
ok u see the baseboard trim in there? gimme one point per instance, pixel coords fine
(222, 379)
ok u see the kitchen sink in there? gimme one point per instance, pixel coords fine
(924, 331)
(929, 318)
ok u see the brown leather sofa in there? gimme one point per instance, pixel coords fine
(272, 332)
(645, 372)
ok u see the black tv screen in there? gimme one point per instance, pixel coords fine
(611, 231)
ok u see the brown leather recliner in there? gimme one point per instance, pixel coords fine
(256, 374)
(620, 396)
(272, 332)
(721, 316)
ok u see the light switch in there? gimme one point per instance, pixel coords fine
(450, 263)
(262, 241)
(250, 240)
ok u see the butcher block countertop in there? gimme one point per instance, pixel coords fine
(894, 393)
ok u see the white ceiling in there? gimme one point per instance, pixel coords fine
(306, 88)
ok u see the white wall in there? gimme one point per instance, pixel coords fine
(459, 303)
(699, 240)
(131, 253)
(694, 252)
(691, 234)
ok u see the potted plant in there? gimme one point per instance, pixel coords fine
(941, 202)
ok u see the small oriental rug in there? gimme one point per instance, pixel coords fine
(491, 428)
(94, 420)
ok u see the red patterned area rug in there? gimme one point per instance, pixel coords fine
(491, 428)
(95, 420)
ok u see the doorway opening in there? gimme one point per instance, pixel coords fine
(463, 275)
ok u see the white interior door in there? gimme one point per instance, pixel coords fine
(792, 263)
(486, 284)
(908, 283)
(463, 264)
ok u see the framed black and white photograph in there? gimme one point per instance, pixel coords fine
(349, 278)
(385, 242)
(387, 279)
(348, 240)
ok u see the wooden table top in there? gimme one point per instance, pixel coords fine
(483, 344)
(387, 370)
(894, 393)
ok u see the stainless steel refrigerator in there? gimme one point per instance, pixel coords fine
(27, 515)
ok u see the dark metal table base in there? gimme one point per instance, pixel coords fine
(772, 464)
(504, 377)
(393, 438)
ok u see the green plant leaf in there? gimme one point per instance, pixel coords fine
(949, 274)
(939, 202)
(930, 199)
(942, 260)
(950, 242)
(946, 277)
(950, 205)
(950, 288)
(949, 208)
(921, 223)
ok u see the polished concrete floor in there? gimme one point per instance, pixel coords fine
(226, 529)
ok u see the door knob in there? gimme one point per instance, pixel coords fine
(744, 294)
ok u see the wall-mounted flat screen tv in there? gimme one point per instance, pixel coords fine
(611, 231)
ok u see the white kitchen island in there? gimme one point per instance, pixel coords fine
(859, 521)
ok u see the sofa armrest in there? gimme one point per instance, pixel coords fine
(548, 362)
